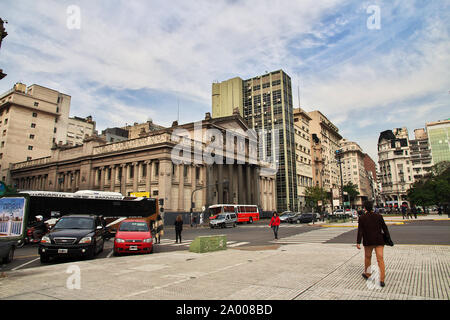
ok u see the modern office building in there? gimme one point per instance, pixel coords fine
(265, 102)
(32, 120)
(303, 156)
(394, 159)
(146, 164)
(439, 140)
(79, 129)
(326, 139)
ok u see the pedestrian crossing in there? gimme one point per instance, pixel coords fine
(187, 243)
(315, 236)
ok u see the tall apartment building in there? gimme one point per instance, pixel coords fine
(265, 103)
(79, 129)
(114, 134)
(420, 154)
(439, 139)
(327, 135)
(3, 34)
(394, 159)
(354, 170)
(303, 155)
(372, 174)
(32, 120)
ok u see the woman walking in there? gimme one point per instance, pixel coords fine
(371, 227)
(275, 224)
(159, 225)
(178, 228)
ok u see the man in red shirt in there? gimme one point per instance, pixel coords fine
(275, 224)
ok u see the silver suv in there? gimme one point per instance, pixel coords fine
(223, 220)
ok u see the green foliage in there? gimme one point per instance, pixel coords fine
(352, 190)
(434, 190)
(315, 194)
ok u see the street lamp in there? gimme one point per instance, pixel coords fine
(338, 158)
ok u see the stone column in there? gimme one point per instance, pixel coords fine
(240, 185)
(123, 179)
(148, 177)
(248, 184)
(220, 183)
(181, 187)
(102, 178)
(230, 183)
(112, 182)
(135, 176)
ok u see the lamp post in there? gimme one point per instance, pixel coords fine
(338, 158)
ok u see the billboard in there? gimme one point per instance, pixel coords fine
(13, 217)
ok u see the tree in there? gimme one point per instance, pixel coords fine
(352, 191)
(315, 194)
(433, 190)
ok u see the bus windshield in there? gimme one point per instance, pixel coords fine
(75, 223)
(215, 210)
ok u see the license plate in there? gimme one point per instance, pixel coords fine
(133, 247)
(62, 250)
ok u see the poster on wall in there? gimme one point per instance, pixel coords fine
(12, 216)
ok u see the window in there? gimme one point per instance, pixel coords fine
(30, 147)
(33, 125)
(36, 104)
(29, 158)
(6, 121)
(34, 115)
(54, 130)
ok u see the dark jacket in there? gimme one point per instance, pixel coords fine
(178, 225)
(370, 228)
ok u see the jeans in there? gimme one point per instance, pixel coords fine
(275, 231)
(177, 235)
(368, 258)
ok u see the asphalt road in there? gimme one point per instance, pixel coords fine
(257, 235)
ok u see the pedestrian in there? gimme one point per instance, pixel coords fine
(39, 228)
(404, 212)
(275, 224)
(159, 225)
(370, 228)
(194, 221)
(178, 228)
(440, 211)
(414, 211)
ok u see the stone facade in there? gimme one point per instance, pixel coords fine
(146, 164)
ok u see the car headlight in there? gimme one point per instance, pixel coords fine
(45, 239)
(86, 240)
(119, 240)
(149, 240)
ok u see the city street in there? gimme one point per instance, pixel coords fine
(259, 236)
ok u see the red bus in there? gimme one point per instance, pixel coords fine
(245, 213)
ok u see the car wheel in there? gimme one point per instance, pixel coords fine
(44, 258)
(102, 247)
(234, 225)
(9, 258)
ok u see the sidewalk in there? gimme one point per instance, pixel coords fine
(390, 220)
(291, 272)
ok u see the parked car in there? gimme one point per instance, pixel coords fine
(352, 213)
(338, 211)
(308, 217)
(294, 218)
(133, 235)
(286, 215)
(7, 249)
(223, 220)
(73, 235)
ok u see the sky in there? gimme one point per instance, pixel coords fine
(369, 66)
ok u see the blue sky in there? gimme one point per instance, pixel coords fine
(135, 60)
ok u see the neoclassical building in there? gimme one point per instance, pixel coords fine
(145, 164)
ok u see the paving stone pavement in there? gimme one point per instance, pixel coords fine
(290, 272)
